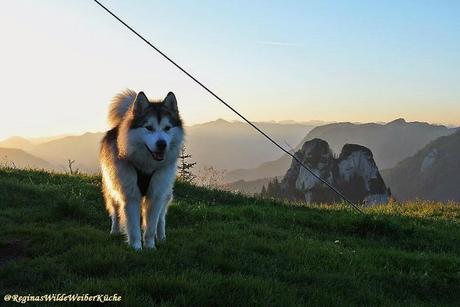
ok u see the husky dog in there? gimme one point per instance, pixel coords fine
(138, 159)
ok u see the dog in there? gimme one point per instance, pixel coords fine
(138, 159)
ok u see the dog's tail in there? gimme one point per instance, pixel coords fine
(120, 105)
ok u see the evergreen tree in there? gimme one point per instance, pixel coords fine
(185, 173)
(274, 188)
(277, 186)
(263, 193)
(269, 191)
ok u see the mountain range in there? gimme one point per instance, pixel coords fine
(418, 159)
(230, 145)
(220, 143)
(390, 143)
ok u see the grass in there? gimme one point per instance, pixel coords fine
(227, 250)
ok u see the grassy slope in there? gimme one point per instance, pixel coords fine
(224, 249)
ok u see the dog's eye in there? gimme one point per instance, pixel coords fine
(149, 128)
(167, 128)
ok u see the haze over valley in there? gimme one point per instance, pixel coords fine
(247, 160)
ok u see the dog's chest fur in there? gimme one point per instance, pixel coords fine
(143, 181)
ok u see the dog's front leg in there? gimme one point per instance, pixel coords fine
(152, 216)
(132, 220)
(161, 227)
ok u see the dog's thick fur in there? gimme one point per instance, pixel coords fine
(138, 159)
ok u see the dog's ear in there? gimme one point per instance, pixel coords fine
(140, 103)
(170, 102)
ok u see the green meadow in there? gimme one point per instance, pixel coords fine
(224, 249)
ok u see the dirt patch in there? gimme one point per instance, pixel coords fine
(11, 250)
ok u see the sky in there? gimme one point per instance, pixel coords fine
(359, 61)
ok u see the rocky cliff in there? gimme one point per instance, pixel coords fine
(353, 172)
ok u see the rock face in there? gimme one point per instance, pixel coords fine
(353, 172)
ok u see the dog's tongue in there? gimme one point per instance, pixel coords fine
(158, 155)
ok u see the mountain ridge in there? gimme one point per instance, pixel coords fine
(432, 173)
(390, 142)
(218, 143)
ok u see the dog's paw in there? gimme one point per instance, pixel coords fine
(137, 246)
(161, 238)
(149, 244)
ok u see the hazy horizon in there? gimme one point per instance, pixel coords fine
(344, 62)
(39, 138)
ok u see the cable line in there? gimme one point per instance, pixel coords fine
(349, 202)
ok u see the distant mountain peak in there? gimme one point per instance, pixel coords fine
(16, 142)
(399, 121)
(17, 138)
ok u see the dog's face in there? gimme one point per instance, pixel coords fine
(155, 127)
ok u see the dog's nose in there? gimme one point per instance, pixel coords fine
(161, 144)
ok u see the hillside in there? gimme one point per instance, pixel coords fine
(432, 173)
(248, 187)
(231, 145)
(17, 142)
(84, 149)
(57, 150)
(390, 143)
(18, 158)
(27, 143)
(225, 249)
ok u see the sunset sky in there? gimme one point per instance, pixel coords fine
(360, 61)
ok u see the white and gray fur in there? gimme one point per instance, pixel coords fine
(144, 143)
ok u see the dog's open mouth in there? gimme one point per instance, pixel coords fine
(158, 155)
